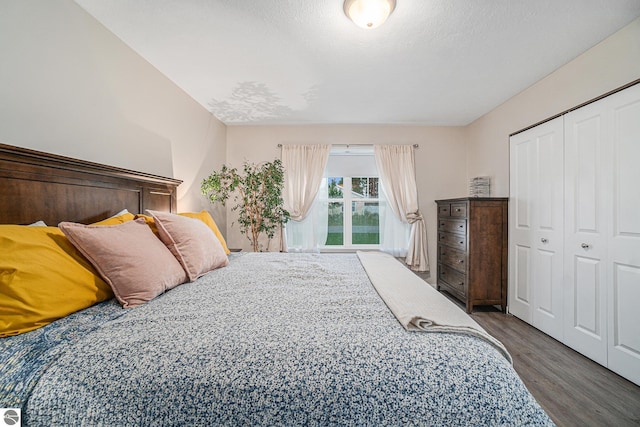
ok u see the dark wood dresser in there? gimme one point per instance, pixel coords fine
(472, 250)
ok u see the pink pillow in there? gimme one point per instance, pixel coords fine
(192, 243)
(129, 257)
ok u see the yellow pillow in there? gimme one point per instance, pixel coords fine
(117, 219)
(202, 216)
(205, 217)
(150, 222)
(43, 278)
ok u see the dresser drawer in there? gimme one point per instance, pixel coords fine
(453, 258)
(444, 209)
(454, 240)
(453, 225)
(452, 278)
(459, 210)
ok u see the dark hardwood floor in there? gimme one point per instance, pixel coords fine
(572, 389)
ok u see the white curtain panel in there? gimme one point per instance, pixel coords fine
(304, 167)
(394, 234)
(396, 166)
(310, 234)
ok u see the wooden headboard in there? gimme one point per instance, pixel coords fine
(40, 186)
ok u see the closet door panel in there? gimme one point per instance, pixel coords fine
(520, 292)
(624, 321)
(624, 257)
(550, 152)
(587, 289)
(586, 220)
(522, 149)
(544, 279)
(548, 226)
(536, 233)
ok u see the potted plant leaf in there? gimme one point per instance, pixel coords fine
(257, 197)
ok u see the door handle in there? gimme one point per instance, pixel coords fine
(585, 246)
(543, 240)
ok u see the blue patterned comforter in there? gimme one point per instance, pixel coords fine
(272, 339)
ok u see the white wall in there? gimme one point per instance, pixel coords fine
(440, 160)
(612, 63)
(68, 86)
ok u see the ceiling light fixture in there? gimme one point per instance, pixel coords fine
(369, 13)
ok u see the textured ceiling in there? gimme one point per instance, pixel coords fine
(434, 62)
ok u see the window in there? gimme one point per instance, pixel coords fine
(353, 199)
(361, 226)
(350, 211)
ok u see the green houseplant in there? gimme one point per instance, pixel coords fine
(257, 197)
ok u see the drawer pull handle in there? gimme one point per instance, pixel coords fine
(461, 226)
(460, 261)
(543, 240)
(585, 246)
(457, 209)
(461, 242)
(461, 284)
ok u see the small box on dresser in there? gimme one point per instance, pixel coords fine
(472, 250)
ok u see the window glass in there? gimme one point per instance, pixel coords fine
(365, 220)
(335, 232)
(364, 187)
(336, 186)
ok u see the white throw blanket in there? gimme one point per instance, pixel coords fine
(416, 304)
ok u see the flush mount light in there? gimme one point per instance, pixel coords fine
(369, 13)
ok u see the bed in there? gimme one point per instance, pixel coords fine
(269, 339)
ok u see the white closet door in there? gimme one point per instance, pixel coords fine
(587, 167)
(522, 162)
(574, 230)
(624, 244)
(535, 226)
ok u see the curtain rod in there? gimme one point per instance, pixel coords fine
(357, 145)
